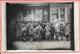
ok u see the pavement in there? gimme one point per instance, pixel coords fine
(41, 45)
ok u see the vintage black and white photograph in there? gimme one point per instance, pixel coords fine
(40, 26)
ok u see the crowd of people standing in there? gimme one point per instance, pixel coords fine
(44, 31)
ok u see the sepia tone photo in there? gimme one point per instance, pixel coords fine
(40, 26)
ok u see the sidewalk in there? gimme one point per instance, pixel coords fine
(42, 45)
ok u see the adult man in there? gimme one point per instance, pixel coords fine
(39, 30)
